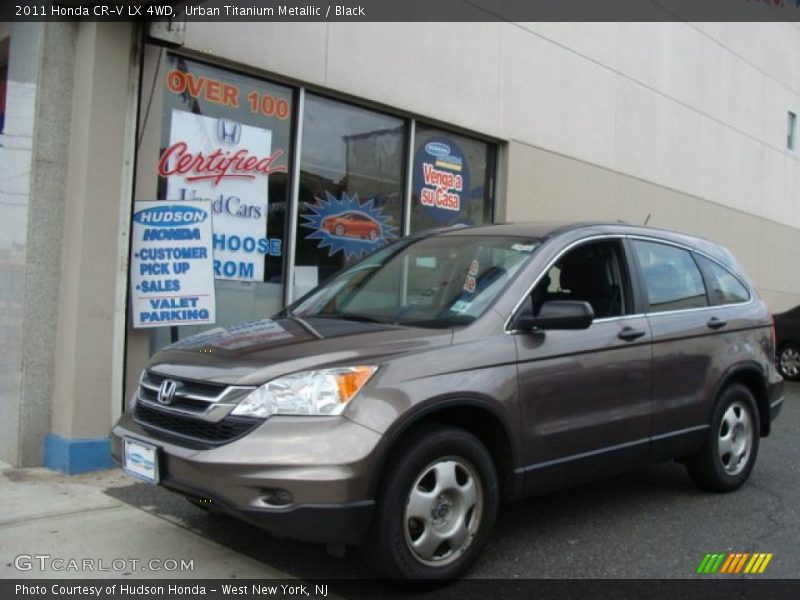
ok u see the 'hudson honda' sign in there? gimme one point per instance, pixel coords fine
(172, 275)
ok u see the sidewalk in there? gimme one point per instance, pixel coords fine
(46, 513)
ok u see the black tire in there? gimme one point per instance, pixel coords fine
(415, 464)
(709, 468)
(787, 354)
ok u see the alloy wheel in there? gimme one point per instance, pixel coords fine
(735, 438)
(789, 362)
(443, 511)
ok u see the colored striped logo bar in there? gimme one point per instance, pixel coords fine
(735, 562)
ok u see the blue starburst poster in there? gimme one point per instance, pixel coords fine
(347, 225)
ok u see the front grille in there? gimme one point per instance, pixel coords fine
(189, 404)
(160, 423)
(195, 388)
(197, 416)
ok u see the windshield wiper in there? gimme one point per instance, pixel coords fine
(363, 318)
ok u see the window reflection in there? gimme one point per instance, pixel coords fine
(351, 186)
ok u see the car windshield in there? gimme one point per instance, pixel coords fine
(438, 282)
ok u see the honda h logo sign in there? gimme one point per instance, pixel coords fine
(228, 132)
(166, 391)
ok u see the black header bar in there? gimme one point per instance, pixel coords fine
(403, 10)
(703, 587)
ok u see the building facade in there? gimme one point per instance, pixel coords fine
(355, 134)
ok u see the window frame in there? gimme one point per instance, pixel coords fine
(5, 59)
(620, 253)
(638, 290)
(633, 299)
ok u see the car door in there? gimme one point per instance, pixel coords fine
(585, 394)
(689, 344)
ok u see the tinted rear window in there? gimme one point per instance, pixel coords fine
(672, 278)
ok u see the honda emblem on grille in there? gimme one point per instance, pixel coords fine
(166, 391)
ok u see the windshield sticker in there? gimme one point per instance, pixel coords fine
(472, 277)
(524, 247)
(460, 306)
(347, 225)
(253, 333)
(470, 284)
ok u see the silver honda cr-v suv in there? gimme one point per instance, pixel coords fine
(398, 404)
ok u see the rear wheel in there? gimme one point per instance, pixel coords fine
(729, 455)
(436, 506)
(788, 361)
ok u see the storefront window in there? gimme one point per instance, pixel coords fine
(453, 179)
(351, 187)
(209, 133)
(211, 119)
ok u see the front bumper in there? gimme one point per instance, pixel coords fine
(325, 463)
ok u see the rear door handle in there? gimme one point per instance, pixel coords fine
(716, 323)
(629, 334)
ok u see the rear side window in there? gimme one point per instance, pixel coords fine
(672, 278)
(723, 286)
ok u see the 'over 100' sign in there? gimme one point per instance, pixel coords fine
(172, 274)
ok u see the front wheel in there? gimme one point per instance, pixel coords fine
(729, 455)
(436, 506)
(788, 361)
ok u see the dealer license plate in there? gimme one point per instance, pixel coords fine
(140, 460)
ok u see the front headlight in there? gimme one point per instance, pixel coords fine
(318, 392)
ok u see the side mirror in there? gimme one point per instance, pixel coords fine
(559, 314)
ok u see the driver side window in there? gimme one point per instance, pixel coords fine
(594, 273)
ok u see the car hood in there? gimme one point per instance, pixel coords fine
(254, 352)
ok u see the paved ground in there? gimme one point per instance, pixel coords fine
(650, 524)
(45, 513)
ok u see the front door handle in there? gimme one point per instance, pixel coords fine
(716, 323)
(629, 334)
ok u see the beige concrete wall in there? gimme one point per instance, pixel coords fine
(542, 185)
(94, 256)
(696, 107)
(686, 121)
